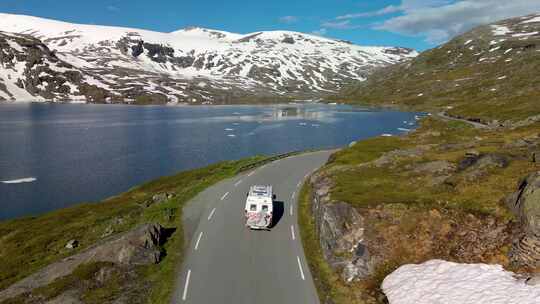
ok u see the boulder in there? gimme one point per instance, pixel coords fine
(435, 167)
(479, 161)
(390, 158)
(72, 244)
(161, 197)
(341, 233)
(139, 246)
(525, 203)
(533, 280)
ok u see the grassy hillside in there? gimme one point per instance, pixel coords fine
(490, 73)
(439, 192)
(422, 198)
(28, 244)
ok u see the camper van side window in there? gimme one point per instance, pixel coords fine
(264, 208)
(252, 207)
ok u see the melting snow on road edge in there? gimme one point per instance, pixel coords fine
(437, 282)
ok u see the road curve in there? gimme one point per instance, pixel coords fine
(228, 263)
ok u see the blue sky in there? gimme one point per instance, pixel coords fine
(418, 24)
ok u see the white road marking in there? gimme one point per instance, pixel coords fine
(198, 240)
(238, 183)
(251, 173)
(184, 295)
(224, 196)
(211, 213)
(300, 267)
(292, 233)
(293, 194)
(291, 210)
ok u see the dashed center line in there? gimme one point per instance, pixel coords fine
(291, 209)
(292, 233)
(300, 267)
(238, 183)
(184, 295)
(211, 213)
(198, 240)
(224, 196)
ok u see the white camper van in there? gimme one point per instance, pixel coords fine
(259, 207)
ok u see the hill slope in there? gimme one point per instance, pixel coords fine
(193, 65)
(490, 73)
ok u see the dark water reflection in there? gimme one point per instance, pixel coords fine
(88, 152)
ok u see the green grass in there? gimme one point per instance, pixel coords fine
(28, 244)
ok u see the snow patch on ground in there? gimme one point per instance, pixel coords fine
(532, 20)
(524, 34)
(500, 30)
(442, 282)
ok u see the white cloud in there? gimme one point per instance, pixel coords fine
(320, 32)
(406, 5)
(384, 11)
(288, 19)
(438, 21)
(337, 24)
(340, 25)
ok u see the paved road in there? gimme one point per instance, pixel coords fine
(475, 124)
(227, 263)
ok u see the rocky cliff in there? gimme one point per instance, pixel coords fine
(437, 193)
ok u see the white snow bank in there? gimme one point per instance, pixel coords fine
(500, 30)
(20, 180)
(442, 282)
(524, 34)
(532, 20)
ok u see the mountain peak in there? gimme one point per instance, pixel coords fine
(195, 65)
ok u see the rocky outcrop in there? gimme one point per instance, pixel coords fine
(525, 203)
(139, 246)
(341, 233)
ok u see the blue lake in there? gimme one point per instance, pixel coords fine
(57, 155)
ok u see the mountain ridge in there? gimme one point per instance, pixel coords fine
(489, 74)
(195, 65)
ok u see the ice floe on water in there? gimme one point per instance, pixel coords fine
(20, 180)
(404, 129)
(442, 282)
(231, 135)
(302, 124)
(229, 129)
(386, 135)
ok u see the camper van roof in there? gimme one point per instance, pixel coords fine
(257, 190)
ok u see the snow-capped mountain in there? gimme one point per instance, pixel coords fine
(44, 59)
